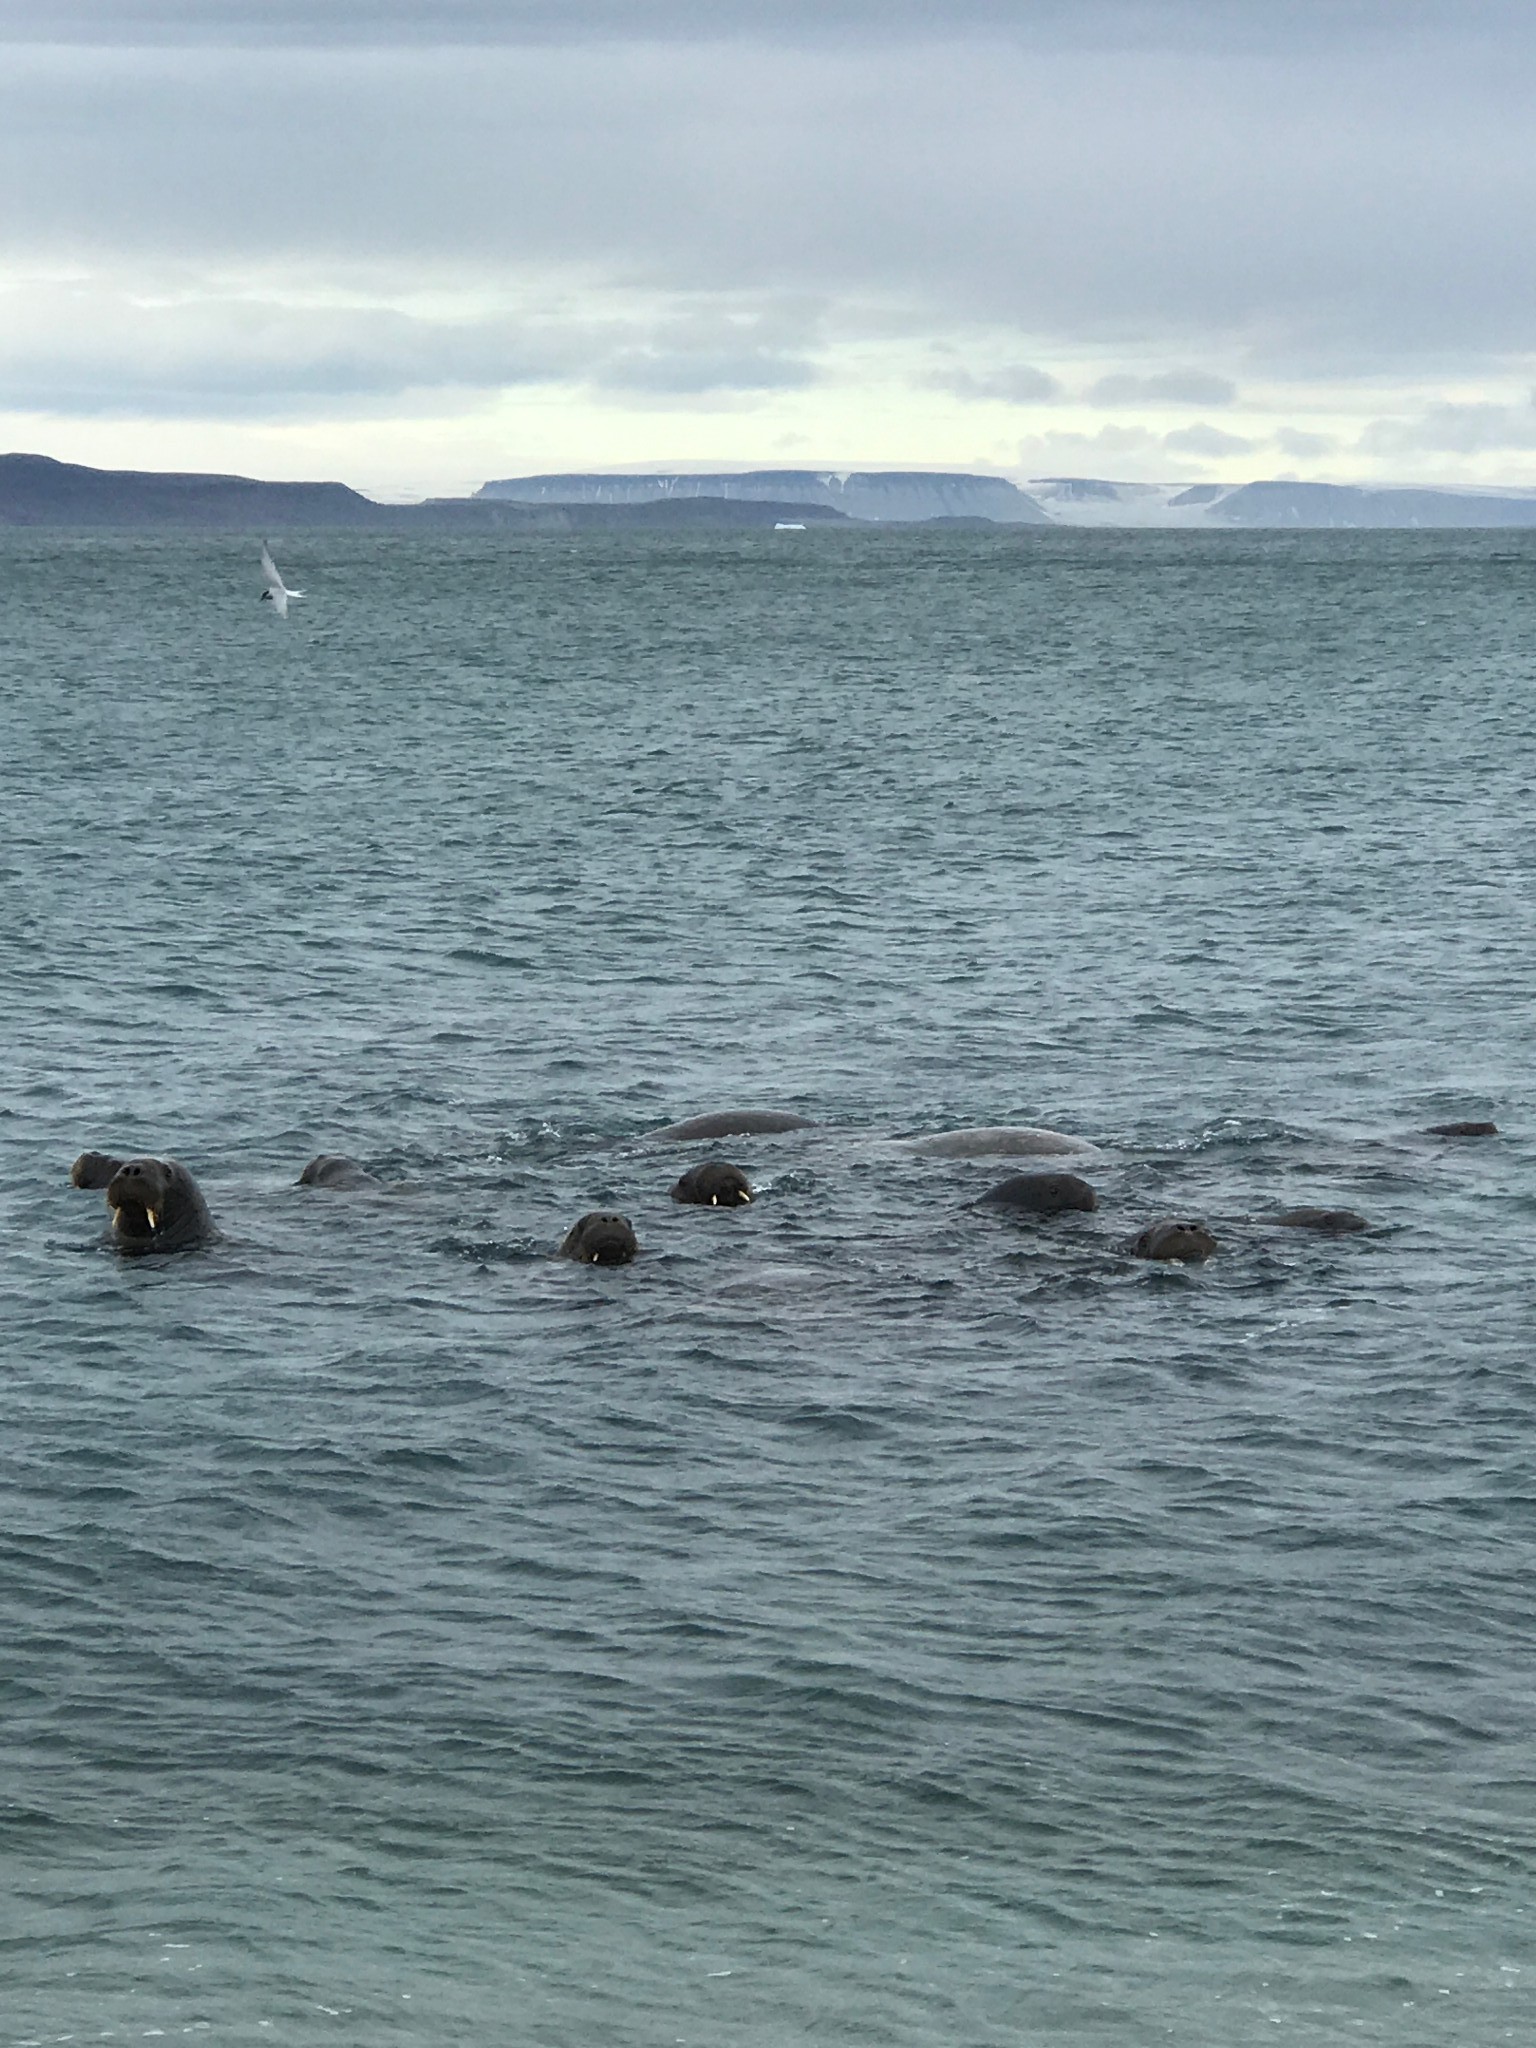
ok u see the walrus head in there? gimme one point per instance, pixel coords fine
(1183, 1241)
(335, 1170)
(137, 1195)
(714, 1184)
(601, 1238)
(94, 1170)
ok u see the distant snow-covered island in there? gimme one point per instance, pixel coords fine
(36, 490)
(906, 496)
(1284, 502)
(883, 495)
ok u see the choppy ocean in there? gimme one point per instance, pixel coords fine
(863, 1620)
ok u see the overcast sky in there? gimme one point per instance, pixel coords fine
(418, 245)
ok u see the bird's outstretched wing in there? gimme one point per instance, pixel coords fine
(277, 592)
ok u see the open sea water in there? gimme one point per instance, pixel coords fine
(861, 1621)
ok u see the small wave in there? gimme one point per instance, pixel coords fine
(407, 1458)
(483, 956)
(845, 1424)
(488, 1251)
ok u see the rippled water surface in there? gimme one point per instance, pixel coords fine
(862, 1620)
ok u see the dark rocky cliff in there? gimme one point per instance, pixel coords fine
(37, 491)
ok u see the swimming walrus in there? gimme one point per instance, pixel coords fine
(600, 1238)
(1185, 1241)
(1463, 1130)
(156, 1205)
(998, 1141)
(714, 1184)
(1039, 1194)
(93, 1170)
(335, 1170)
(732, 1123)
(1336, 1222)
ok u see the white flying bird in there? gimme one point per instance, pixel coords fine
(277, 592)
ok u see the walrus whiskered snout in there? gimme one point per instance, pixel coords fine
(136, 1195)
(133, 1221)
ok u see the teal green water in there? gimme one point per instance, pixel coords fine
(862, 1620)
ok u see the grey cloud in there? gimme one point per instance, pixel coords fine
(88, 351)
(1061, 452)
(1303, 445)
(1202, 439)
(1473, 429)
(1130, 24)
(1165, 387)
(1014, 384)
(1117, 195)
(93, 351)
(718, 345)
(663, 371)
(1372, 204)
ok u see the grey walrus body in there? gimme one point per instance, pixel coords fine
(600, 1238)
(335, 1170)
(1336, 1222)
(1039, 1194)
(1463, 1130)
(156, 1205)
(998, 1141)
(733, 1123)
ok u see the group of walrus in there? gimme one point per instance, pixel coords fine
(156, 1206)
